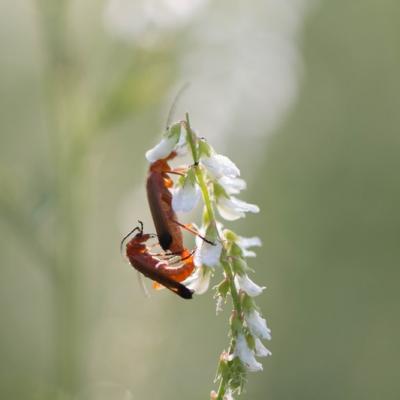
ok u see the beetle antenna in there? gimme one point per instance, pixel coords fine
(175, 102)
(127, 236)
(141, 227)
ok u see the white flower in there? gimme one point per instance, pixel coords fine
(244, 243)
(199, 281)
(246, 355)
(206, 253)
(186, 197)
(261, 350)
(219, 166)
(257, 325)
(233, 208)
(232, 185)
(249, 253)
(247, 285)
(228, 395)
(162, 149)
(226, 357)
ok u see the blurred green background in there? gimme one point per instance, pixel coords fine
(304, 96)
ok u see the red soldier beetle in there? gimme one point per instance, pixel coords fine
(158, 270)
(160, 198)
(160, 202)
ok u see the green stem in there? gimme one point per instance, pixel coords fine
(199, 174)
(226, 264)
(206, 196)
(191, 139)
(238, 310)
(235, 295)
(221, 390)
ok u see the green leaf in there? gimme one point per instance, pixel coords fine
(204, 148)
(236, 325)
(223, 288)
(174, 130)
(250, 341)
(239, 266)
(238, 375)
(191, 176)
(235, 250)
(248, 303)
(230, 236)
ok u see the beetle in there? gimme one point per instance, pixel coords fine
(160, 201)
(160, 271)
(159, 197)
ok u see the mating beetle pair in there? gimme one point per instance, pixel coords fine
(169, 235)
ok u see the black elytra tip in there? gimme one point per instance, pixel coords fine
(184, 292)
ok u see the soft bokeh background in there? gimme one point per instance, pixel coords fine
(304, 95)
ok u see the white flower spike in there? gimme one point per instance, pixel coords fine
(246, 355)
(247, 285)
(218, 180)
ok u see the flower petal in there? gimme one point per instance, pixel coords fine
(233, 208)
(261, 350)
(246, 242)
(186, 197)
(246, 355)
(206, 253)
(162, 149)
(232, 185)
(258, 325)
(199, 281)
(249, 253)
(228, 395)
(247, 285)
(219, 166)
